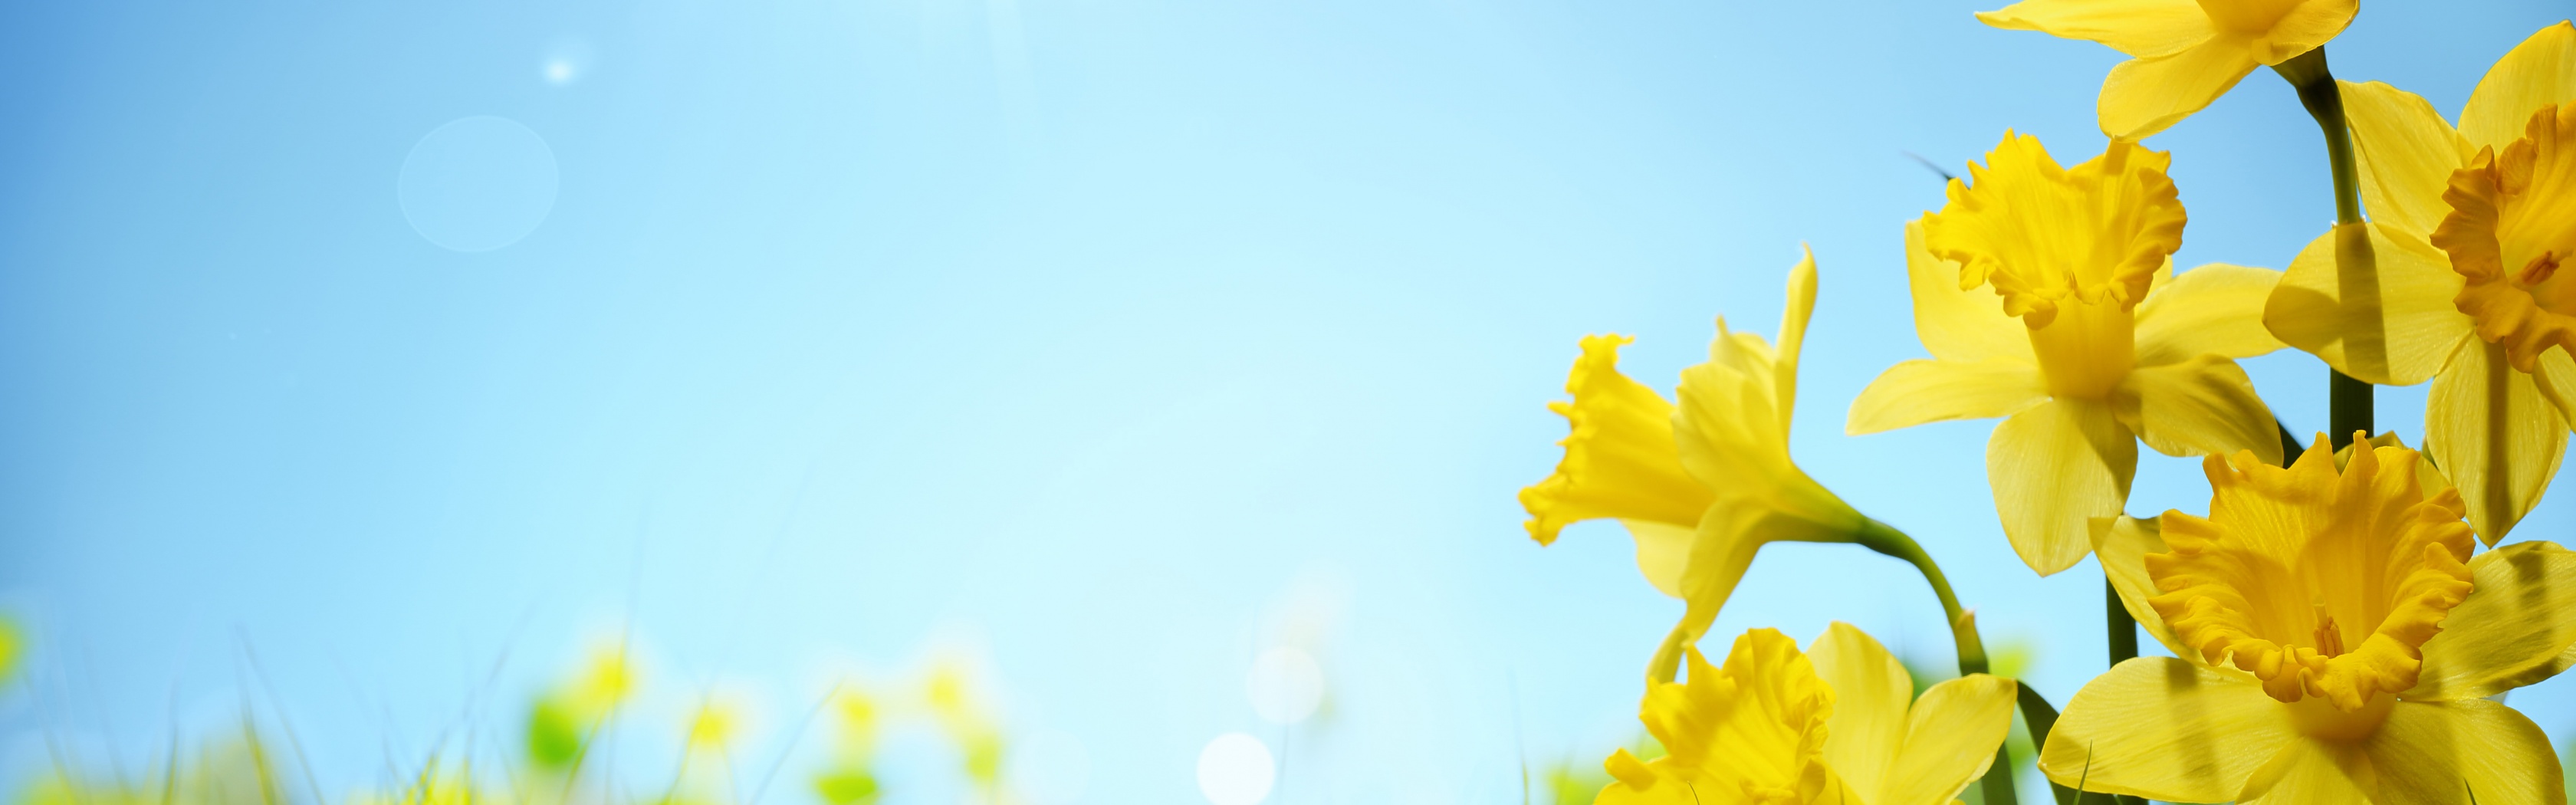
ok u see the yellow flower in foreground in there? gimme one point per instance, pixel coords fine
(2468, 229)
(2337, 644)
(2087, 342)
(1838, 724)
(2185, 53)
(1701, 486)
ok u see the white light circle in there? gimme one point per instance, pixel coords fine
(478, 183)
(1286, 685)
(1235, 769)
(567, 60)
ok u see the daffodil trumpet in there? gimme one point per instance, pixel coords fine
(1836, 723)
(1704, 481)
(2349, 402)
(2333, 640)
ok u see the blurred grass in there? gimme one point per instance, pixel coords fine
(559, 756)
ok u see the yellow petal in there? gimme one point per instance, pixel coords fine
(1733, 442)
(1950, 739)
(2145, 95)
(2059, 471)
(2216, 309)
(1720, 553)
(1663, 550)
(2164, 728)
(2302, 25)
(1871, 693)
(2406, 153)
(2123, 553)
(2492, 432)
(1956, 324)
(1920, 391)
(2539, 72)
(2134, 27)
(2451, 751)
(2201, 407)
(2309, 773)
(2557, 380)
(1793, 331)
(2392, 327)
(1620, 458)
(2515, 628)
(1729, 536)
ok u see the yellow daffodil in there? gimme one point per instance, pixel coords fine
(1838, 724)
(2087, 342)
(2468, 229)
(2184, 54)
(1703, 485)
(2336, 644)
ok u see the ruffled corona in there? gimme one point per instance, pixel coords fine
(1752, 732)
(2511, 228)
(1839, 724)
(1620, 460)
(2320, 583)
(2072, 252)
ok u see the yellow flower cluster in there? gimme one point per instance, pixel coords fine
(2337, 634)
(564, 761)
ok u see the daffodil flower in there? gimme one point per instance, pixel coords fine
(1837, 724)
(2184, 54)
(2334, 642)
(2087, 342)
(2468, 228)
(1702, 485)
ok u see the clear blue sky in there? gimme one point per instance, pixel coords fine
(1094, 333)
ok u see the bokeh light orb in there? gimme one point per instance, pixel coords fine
(1286, 685)
(478, 183)
(1235, 769)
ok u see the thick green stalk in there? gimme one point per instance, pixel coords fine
(2348, 400)
(1877, 536)
(2123, 628)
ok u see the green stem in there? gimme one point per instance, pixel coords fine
(2349, 401)
(1997, 785)
(2123, 628)
(1885, 539)
(2348, 408)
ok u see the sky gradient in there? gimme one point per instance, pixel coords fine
(1109, 341)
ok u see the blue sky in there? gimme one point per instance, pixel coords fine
(1097, 338)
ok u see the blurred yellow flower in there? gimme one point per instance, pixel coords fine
(1703, 485)
(562, 722)
(2468, 228)
(2184, 54)
(2088, 342)
(715, 724)
(12, 646)
(1838, 724)
(2335, 641)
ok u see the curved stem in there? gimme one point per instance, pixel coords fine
(2349, 401)
(1883, 538)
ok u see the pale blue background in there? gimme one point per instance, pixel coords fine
(1085, 332)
